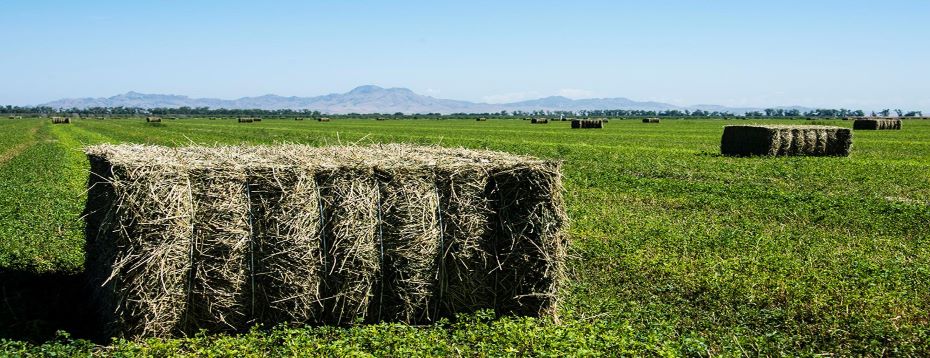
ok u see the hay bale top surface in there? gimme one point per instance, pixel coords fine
(786, 126)
(387, 156)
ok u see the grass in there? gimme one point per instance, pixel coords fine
(675, 249)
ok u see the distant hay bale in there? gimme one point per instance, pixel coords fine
(61, 120)
(877, 124)
(323, 119)
(587, 123)
(335, 235)
(783, 140)
(380, 119)
(298, 118)
(153, 119)
(540, 121)
(650, 120)
(245, 120)
(481, 119)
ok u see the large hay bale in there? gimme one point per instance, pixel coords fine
(877, 123)
(235, 236)
(61, 120)
(587, 123)
(153, 119)
(481, 119)
(540, 121)
(323, 119)
(650, 120)
(784, 140)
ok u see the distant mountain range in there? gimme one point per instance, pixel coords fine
(374, 99)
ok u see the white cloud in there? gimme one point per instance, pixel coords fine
(575, 93)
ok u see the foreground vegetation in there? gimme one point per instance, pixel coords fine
(675, 249)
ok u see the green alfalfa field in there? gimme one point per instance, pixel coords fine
(675, 250)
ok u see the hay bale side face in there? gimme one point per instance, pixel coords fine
(350, 246)
(286, 222)
(220, 297)
(318, 236)
(528, 246)
(748, 140)
(410, 239)
(141, 237)
(877, 124)
(465, 216)
(587, 123)
(650, 120)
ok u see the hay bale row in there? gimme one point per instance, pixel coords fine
(235, 236)
(650, 120)
(587, 123)
(877, 124)
(540, 121)
(783, 140)
(61, 120)
(246, 120)
(153, 119)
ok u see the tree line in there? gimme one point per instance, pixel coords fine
(613, 113)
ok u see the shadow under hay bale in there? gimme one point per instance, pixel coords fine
(877, 124)
(238, 236)
(587, 123)
(783, 140)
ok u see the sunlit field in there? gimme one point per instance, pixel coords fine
(674, 248)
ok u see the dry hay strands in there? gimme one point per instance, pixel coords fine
(221, 281)
(285, 209)
(539, 121)
(61, 120)
(587, 123)
(235, 236)
(153, 119)
(349, 240)
(650, 120)
(139, 220)
(246, 120)
(528, 244)
(323, 119)
(877, 124)
(409, 245)
(778, 140)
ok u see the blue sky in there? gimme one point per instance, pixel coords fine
(853, 54)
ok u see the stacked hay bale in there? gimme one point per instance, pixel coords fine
(877, 123)
(153, 119)
(246, 120)
(785, 140)
(587, 123)
(650, 120)
(235, 236)
(540, 121)
(61, 120)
